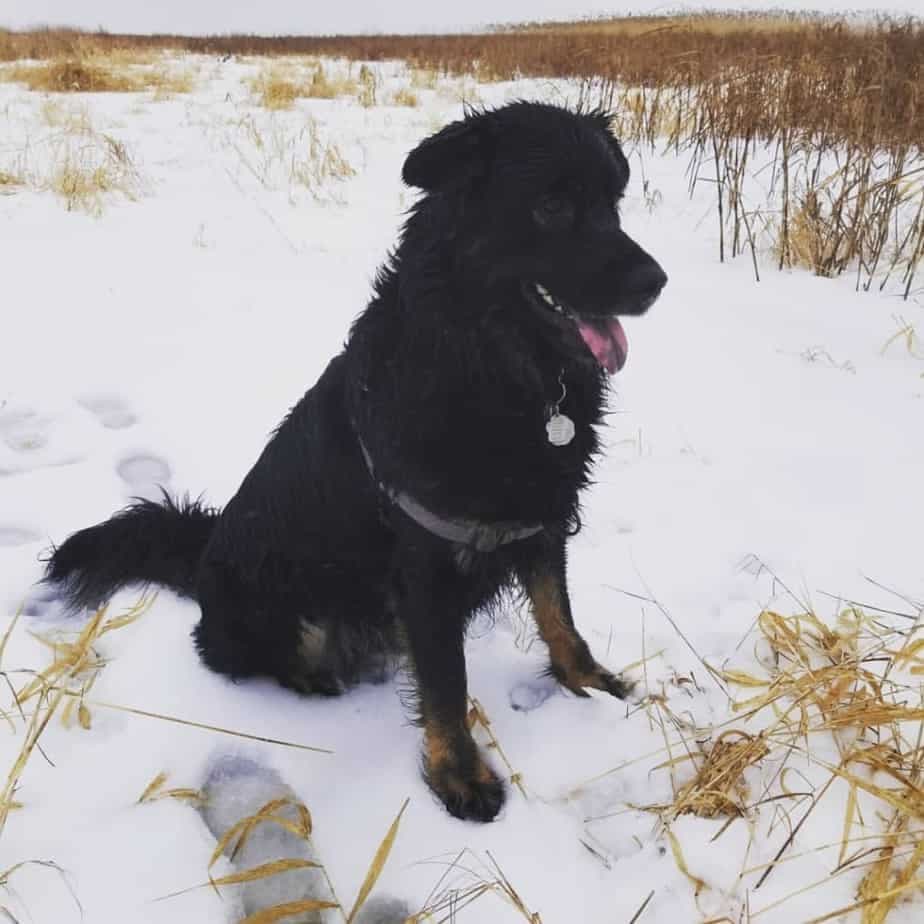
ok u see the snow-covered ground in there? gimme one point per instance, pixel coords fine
(759, 432)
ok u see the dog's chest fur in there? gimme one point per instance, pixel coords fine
(454, 409)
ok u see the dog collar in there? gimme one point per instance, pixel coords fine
(482, 537)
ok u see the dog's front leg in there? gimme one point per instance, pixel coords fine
(434, 619)
(542, 572)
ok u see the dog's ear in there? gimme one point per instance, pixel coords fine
(603, 120)
(456, 154)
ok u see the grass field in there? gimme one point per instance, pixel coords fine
(831, 110)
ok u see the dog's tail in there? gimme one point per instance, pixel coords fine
(146, 543)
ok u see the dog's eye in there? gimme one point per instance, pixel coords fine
(554, 212)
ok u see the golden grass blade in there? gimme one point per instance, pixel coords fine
(241, 830)
(153, 786)
(742, 679)
(9, 632)
(66, 712)
(478, 716)
(849, 812)
(698, 884)
(911, 804)
(377, 865)
(126, 619)
(263, 871)
(641, 662)
(205, 726)
(184, 795)
(72, 659)
(888, 894)
(83, 717)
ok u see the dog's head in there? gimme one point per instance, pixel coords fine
(535, 192)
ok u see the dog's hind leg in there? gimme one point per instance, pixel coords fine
(434, 613)
(541, 571)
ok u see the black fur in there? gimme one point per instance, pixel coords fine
(146, 543)
(310, 574)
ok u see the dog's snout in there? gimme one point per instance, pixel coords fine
(646, 281)
(643, 285)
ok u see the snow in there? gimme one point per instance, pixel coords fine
(759, 432)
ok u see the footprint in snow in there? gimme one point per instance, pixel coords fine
(110, 411)
(26, 442)
(236, 788)
(23, 430)
(144, 475)
(531, 694)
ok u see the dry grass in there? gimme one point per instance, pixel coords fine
(322, 86)
(405, 96)
(295, 819)
(275, 89)
(368, 86)
(422, 78)
(113, 73)
(63, 685)
(469, 879)
(280, 84)
(283, 157)
(9, 181)
(837, 105)
(70, 76)
(69, 118)
(56, 148)
(851, 685)
(83, 174)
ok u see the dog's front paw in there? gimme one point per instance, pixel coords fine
(612, 684)
(594, 678)
(468, 788)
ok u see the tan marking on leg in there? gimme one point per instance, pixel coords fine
(483, 771)
(564, 648)
(441, 750)
(570, 657)
(438, 747)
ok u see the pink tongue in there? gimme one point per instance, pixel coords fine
(607, 342)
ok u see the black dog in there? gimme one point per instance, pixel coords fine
(438, 459)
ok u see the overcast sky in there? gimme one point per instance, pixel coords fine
(325, 16)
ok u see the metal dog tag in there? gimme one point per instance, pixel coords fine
(560, 430)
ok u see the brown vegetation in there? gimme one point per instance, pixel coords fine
(839, 105)
(97, 74)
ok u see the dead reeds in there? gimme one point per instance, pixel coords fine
(830, 109)
(100, 73)
(851, 685)
(63, 685)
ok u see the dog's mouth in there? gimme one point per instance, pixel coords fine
(603, 336)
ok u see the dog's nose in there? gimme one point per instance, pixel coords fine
(645, 282)
(643, 285)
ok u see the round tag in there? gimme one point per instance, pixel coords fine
(560, 430)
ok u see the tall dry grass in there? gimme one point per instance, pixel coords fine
(839, 105)
(100, 73)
